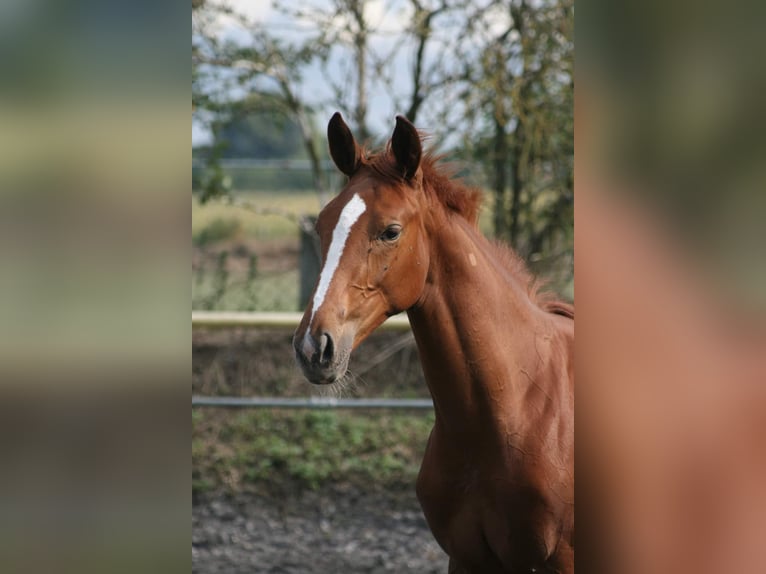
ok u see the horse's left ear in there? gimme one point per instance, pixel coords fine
(343, 149)
(405, 143)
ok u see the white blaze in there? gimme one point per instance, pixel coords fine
(348, 216)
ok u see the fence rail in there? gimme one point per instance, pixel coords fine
(231, 319)
(228, 320)
(310, 403)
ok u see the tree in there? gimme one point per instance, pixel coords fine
(267, 70)
(259, 135)
(427, 70)
(340, 29)
(519, 96)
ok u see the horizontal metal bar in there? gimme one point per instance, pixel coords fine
(231, 319)
(310, 403)
(282, 164)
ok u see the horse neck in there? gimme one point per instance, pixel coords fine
(475, 327)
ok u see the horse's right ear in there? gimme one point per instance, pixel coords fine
(405, 143)
(343, 149)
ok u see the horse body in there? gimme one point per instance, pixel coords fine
(496, 484)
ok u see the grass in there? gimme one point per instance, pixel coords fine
(273, 450)
(219, 229)
(217, 225)
(264, 227)
(278, 292)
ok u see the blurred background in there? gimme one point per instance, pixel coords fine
(95, 173)
(671, 287)
(94, 251)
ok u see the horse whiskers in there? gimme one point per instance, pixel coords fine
(344, 387)
(353, 381)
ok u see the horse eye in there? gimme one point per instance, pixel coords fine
(391, 233)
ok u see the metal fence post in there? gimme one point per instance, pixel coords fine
(309, 262)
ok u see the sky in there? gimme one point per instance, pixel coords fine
(391, 17)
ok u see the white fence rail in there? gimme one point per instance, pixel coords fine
(230, 319)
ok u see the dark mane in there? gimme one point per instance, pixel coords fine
(536, 288)
(437, 179)
(465, 201)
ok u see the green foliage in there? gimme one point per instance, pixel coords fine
(255, 225)
(262, 292)
(521, 107)
(259, 135)
(248, 286)
(305, 449)
(214, 182)
(218, 229)
(251, 178)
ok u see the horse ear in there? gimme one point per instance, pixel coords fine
(405, 143)
(343, 149)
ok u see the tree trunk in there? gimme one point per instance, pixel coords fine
(500, 177)
(309, 143)
(517, 183)
(309, 263)
(422, 29)
(360, 51)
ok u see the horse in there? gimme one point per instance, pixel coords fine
(496, 484)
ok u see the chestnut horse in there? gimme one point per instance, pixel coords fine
(497, 480)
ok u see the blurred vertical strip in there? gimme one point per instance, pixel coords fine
(94, 300)
(670, 245)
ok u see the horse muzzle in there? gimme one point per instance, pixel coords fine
(322, 358)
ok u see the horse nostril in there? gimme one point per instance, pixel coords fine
(326, 348)
(306, 347)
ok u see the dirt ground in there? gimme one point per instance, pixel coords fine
(344, 532)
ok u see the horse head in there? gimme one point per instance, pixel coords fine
(375, 254)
